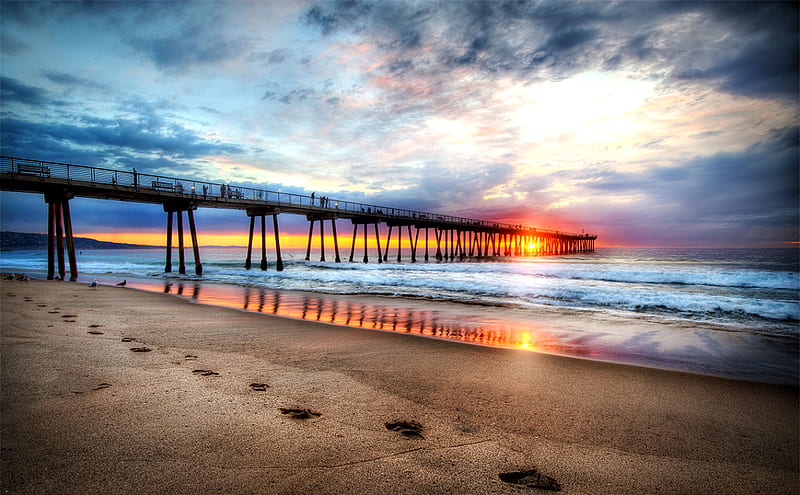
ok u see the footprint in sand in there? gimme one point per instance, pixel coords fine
(259, 387)
(54, 311)
(205, 373)
(190, 357)
(128, 339)
(141, 349)
(95, 325)
(69, 316)
(300, 413)
(410, 429)
(532, 479)
(102, 386)
(95, 332)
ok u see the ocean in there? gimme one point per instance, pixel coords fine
(725, 312)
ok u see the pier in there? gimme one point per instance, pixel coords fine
(445, 237)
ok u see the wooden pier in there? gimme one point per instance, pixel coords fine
(449, 237)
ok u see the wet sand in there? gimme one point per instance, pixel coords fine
(113, 390)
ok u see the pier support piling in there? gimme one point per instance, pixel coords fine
(262, 213)
(263, 243)
(248, 260)
(322, 240)
(335, 241)
(181, 253)
(198, 267)
(168, 264)
(73, 261)
(310, 236)
(60, 241)
(426, 243)
(178, 208)
(276, 234)
(399, 242)
(353, 245)
(388, 241)
(59, 227)
(51, 240)
(366, 258)
(377, 240)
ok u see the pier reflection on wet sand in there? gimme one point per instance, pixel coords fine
(371, 315)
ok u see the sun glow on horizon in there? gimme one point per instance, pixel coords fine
(288, 240)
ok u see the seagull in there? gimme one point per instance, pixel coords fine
(9, 277)
(93, 284)
(122, 284)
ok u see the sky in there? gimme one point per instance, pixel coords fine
(646, 123)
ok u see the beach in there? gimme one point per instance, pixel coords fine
(114, 390)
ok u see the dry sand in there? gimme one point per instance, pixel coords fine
(83, 413)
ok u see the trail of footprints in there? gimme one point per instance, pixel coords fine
(530, 478)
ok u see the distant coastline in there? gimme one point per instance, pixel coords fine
(19, 241)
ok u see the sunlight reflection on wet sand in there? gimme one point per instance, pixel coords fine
(678, 345)
(371, 315)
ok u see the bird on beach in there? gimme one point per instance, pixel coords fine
(23, 278)
(93, 284)
(122, 284)
(9, 277)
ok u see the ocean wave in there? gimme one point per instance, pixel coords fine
(511, 289)
(708, 291)
(609, 272)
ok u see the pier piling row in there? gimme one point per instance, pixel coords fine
(452, 237)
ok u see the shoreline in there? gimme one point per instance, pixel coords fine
(83, 413)
(678, 345)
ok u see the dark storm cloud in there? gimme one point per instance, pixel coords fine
(10, 45)
(191, 45)
(744, 48)
(765, 175)
(171, 140)
(296, 95)
(765, 62)
(188, 35)
(271, 57)
(759, 70)
(25, 13)
(42, 142)
(333, 16)
(726, 196)
(14, 91)
(70, 80)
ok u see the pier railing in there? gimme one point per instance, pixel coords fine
(182, 188)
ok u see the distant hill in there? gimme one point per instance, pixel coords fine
(10, 241)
